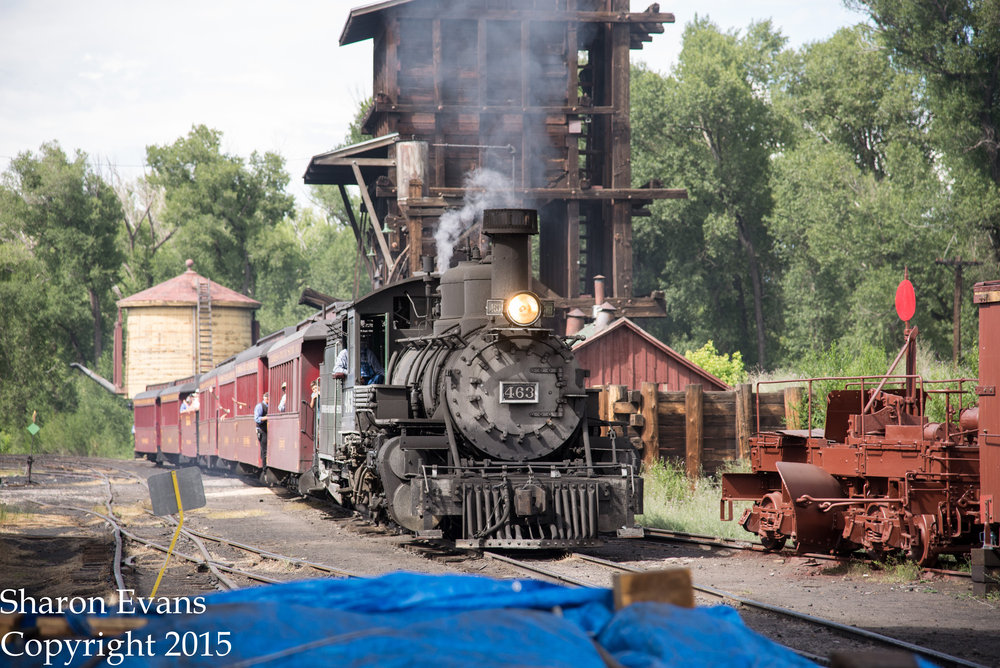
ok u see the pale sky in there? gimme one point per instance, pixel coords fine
(110, 77)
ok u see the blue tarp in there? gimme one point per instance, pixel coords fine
(441, 621)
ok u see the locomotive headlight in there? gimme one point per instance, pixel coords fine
(523, 309)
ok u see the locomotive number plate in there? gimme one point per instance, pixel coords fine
(518, 393)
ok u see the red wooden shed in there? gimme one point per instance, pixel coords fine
(623, 353)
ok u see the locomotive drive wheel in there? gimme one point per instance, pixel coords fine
(365, 486)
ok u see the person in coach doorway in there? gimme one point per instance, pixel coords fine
(260, 420)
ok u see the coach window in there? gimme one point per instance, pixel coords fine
(283, 373)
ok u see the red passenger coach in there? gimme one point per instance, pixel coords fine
(226, 389)
(251, 384)
(187, 421)
(208, 416)
(293, 364)
(170, 433)
(147, 423)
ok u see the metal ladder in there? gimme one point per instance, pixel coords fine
(205, 360)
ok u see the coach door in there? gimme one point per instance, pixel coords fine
(331, 398)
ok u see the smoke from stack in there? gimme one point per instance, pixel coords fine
(485, 189)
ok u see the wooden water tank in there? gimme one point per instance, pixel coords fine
(182, 327)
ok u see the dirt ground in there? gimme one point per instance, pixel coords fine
(55, 551)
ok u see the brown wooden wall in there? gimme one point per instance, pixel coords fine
(660, 428)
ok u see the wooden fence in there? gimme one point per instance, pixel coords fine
(703, 429)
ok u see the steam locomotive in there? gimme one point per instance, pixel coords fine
(482, 433)
(881, 475)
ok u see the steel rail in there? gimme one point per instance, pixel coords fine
(275, 556)
(200, 544)
(820, 621)
(162, 548)
(116, 566)
(655, 534)
(701, 539)
(194, 535)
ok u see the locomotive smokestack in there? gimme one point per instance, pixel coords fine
(510, 230)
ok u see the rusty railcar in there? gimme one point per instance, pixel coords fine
(881, 475)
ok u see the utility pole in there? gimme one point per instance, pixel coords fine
(958, 264)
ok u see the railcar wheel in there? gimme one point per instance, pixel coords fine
(768, 530)
(773, 543)
(920, 540)
(770, 538)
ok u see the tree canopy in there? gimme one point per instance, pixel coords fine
(845, 191)
(816, 176)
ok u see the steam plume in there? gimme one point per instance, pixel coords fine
(485, 189)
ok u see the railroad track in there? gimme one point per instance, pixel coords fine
(219, 567)
(865, 638)
(667, 535)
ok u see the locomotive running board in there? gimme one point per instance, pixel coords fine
(814, 529)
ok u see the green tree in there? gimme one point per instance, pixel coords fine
(33, 348)
(858, 198)
(144, 232)
(954, 46)
(711, 127)
(68, 218)
(221, 204)
(725, 367)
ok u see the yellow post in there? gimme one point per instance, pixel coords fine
(170, 550)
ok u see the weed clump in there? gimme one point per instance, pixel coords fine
(672, 501)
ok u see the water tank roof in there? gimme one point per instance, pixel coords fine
(183, 291)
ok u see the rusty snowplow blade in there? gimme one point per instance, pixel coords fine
(800, 502)
(808, 491)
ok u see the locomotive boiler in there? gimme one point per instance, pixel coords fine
(483, 431)
(882, 475)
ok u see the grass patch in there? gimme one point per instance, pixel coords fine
(898, 569)
(9, 514)
(671, 502)
(955, 562)
(893, 568)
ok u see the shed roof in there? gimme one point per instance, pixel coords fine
(183, 291)
(594, 334)
(363, 21)
(336, 166)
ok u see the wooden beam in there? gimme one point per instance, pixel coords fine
(635, 195)
(361, 162)
(614, 394)
(461, 12)
(633, 307)
(793, 404)
(376, 225)
(390, 107)
(349, 208)
(672, 585)
(744, 420)
(620, 160)
(694, 400)
(651, 428)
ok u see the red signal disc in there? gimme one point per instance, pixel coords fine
(906, 301)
